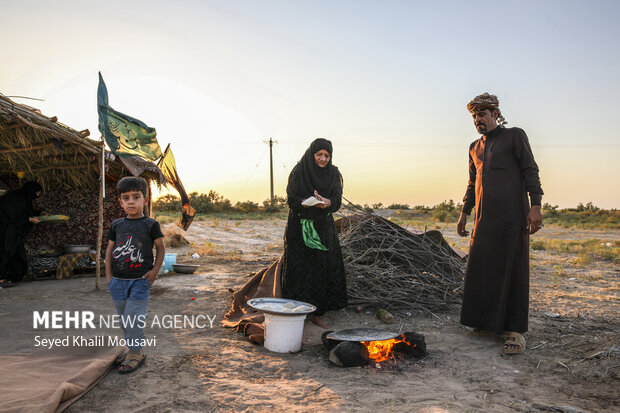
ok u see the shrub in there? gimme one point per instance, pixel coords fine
(398, 206)
(279, 203)
(247, 206)
(168, 202)
(447, 211)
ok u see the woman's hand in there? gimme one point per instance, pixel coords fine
(327, 203)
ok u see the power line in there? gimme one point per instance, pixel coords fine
(251, 174)
(280, 159)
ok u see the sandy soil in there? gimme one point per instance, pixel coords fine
(572, 362)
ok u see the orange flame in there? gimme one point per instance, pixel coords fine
(381, 350)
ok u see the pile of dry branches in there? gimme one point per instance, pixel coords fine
(391, 267)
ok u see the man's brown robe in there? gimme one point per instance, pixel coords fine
(502, 171)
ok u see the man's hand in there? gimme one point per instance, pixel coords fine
(534, 219)
(327, 202)
(151, 275)
(34, 220)
(460, 226)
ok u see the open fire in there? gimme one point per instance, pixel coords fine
(349, 353)
(382, 350)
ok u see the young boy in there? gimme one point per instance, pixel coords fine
(129, 266)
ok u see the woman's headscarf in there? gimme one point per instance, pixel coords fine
(308, 176)
(30, 189)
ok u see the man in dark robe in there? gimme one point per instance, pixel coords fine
(502, 172)
(17, 218)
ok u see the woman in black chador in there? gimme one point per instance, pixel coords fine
(17, 217)
(313, 270)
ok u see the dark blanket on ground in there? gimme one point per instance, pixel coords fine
(50, 380)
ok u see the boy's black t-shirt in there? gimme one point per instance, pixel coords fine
(132, 256)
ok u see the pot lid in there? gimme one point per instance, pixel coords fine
(281, 306)
(362, 334)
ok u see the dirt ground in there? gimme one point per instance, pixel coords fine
(572, 361)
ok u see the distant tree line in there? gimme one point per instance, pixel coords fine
(584, 215)
(214, 202)
(446, 211)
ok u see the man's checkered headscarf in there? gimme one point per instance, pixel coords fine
(484, 102)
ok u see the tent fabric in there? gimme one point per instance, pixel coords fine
(51, 380)
(138, 166)
(266, 283)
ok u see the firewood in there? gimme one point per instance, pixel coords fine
(349, 354)
(329, 343)
(391, 267)
(415, 346)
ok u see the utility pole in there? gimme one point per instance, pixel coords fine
(271, 142)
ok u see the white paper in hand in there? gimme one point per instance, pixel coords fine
(312, 201)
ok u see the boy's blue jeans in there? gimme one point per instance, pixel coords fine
(131, 299)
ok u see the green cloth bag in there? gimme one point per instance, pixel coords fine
(311, 238)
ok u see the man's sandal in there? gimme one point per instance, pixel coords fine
(514, 344)
(121, 358)
(132, 363)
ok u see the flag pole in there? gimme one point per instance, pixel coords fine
(100, 223)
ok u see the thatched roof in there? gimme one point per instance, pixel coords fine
(49, 152)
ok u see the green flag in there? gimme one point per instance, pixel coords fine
(168, 166)
(125, 135)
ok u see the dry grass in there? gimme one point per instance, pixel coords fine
(274, 246)
(586, 251)
(207, 249)
(233, 256)
(582, 260)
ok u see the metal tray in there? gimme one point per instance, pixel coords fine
(277, 305)
(49, 255)
(77, 248)
(53, 219)
(185, 268)
(362, 334)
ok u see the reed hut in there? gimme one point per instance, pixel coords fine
(75, 172)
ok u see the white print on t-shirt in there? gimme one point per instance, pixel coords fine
(123, 250)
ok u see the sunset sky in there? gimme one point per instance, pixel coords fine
(386, 81)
